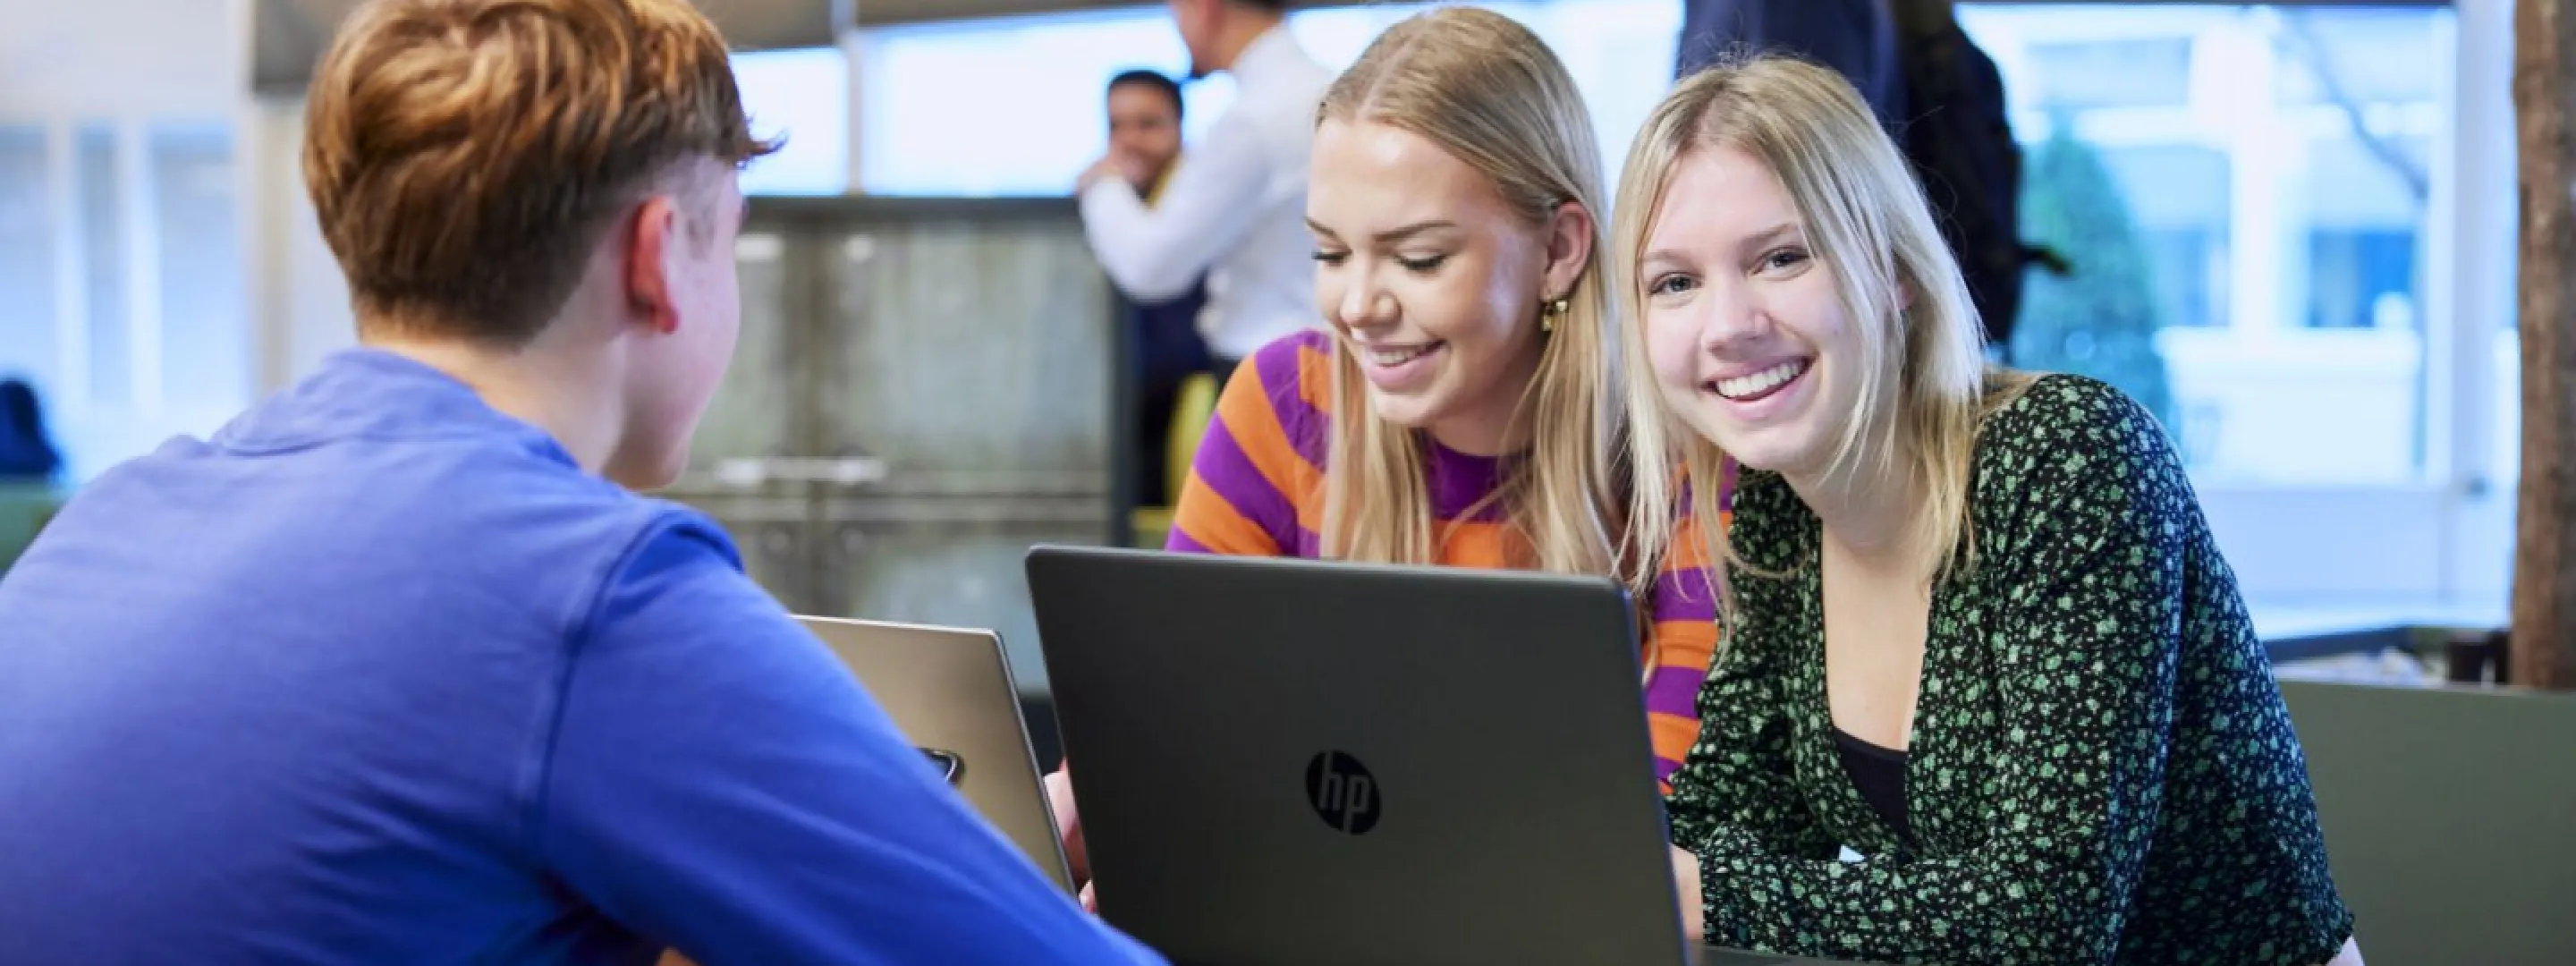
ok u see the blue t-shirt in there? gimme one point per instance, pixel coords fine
(378, 675)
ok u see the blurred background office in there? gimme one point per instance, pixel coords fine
(2305, 210)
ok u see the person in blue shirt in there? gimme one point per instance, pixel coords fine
(395, 668)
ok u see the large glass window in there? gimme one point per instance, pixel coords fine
(121, 253)
(2267, 247)
(803, 95)
(2268, 169)
(1010, 106)
(205, 347)
(1013, 106)
(28, 347)
(104, 265)
(2272, 167)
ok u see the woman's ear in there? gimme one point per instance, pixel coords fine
(1570, 231)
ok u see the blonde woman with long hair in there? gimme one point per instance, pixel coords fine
(1458, 407)
(1977, 629)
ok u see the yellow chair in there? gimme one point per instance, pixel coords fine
(1191, 413)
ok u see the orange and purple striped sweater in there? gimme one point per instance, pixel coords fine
(1256, 489)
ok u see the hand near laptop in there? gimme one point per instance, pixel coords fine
(1068, 826)
(1686, 888)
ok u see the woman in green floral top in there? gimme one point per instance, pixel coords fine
(1976, 627)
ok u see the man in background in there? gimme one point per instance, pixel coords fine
(1940, 96)
(1237, 211)
(1145, 124)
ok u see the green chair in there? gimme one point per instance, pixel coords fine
(2450, 818)
(24, 509)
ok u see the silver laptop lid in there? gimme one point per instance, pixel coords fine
(950, 690)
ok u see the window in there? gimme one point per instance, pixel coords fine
(27, 341)
(120, 248)
(204, 360)
(2179, 194)
(1013, 106)
(103, 249)
(1007, 107)
(2097, 73)
(2326, 217)
(2297, 222)
(2271, 164)
(2279, 241)
(803, 95)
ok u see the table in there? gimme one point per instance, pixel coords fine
(1714, 956)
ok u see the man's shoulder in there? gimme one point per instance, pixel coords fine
(1282, 98)
(551, 511)
(1291, 96)
(471, 518)
(2073, 426)
(505, 485)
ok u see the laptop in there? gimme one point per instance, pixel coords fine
(950, 691)
(1291, 761)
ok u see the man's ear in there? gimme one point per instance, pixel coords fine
(652, 248)
(1569, 248)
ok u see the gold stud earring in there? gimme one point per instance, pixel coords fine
(1547, 316)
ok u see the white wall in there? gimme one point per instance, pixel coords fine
(298, 298)
(120, 57)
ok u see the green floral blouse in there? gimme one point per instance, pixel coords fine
(2100, 771)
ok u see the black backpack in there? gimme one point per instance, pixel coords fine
(1961, 144)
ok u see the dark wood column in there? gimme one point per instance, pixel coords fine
(2544, 563)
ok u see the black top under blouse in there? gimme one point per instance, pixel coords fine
(1880, 775)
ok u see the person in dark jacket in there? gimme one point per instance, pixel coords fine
(27, 453)
(1857, 38)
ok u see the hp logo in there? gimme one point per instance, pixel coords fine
(1343, 793)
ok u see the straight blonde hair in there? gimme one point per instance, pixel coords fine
(1487, 91)
(1924, 384)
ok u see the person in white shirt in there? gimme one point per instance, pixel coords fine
(1236, 212)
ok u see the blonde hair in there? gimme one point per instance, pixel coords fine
(1923, 383)
(1489, 93)
(465, 155)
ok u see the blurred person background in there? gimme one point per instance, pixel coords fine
(1145, 110)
